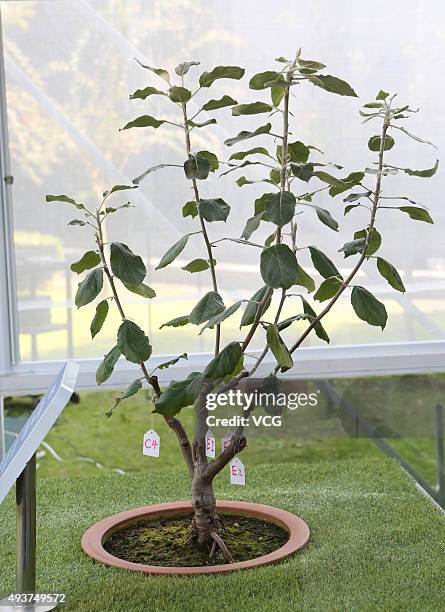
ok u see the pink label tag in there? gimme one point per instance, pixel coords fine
(210, 445)
(151, 444)
(226, 440)
(237, 472)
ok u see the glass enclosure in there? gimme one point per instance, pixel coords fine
(69, 73)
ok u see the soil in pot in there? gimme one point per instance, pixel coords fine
(166, 541)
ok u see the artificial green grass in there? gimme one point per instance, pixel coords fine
(376, 543)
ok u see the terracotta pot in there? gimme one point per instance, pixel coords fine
(94, 537)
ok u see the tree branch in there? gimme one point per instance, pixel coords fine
(363, 255)
(208, 244)
(152, 380)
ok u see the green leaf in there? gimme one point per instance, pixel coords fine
(302, 278)
(112, 209)
(105, 370)
(330, 180)
(353, 247)
(138, 180)
(224, 363)
(347, 183)
(304, 172)
(311, 65)
(278, 266)
(326, 218)
(254, 108)
(382, 95)
(318, 328)
(353, 197)
(142, 94)
(167, 364)
(262, 80)
(208, 306)
(177, 322)
(222, 316)
(276, 95)
(261, 204)
(197, 167)
(190, 209)
(322, 263)
(333, 85)
(201, 124)
(143, 290)
(184, 67)
(179, 94)
(99, 318)
(422, 173)
(297, 151)
(173, 252)
(278, 348)
(418, 214)
(144, 121)
(89, 288)
(197, 265)
(119, 188)
(63, 198)
(221, 103)
(388, 272)
(374, 243)
(214, 209)
(242, 154)
(252, 307)
(368, 308)
(280, 208)
(178, 394)
(282, 325)
(132, 342)
(375, 141)
(77, 222)
(244, 135)
(252, 224)
(126, 266)
(211, 157)
(220, 72)
(327, 289)
(131, 390)
(160, 72)
(89, 260)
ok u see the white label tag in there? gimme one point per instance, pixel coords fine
(210, 445)
(226, 440)
(237, 472)
(151, 443)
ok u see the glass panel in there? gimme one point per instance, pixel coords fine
(69, 71)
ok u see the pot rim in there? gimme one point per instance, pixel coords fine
(93, 538)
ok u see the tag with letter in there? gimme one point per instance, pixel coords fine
(151, 443)
(237, 472)
(226, 440)
(210, 445)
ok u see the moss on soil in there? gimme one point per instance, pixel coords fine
(166, 541)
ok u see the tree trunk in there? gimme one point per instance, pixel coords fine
(205, 519)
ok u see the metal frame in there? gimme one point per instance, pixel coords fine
(436, 492)
(23, 378)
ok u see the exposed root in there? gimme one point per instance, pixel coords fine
(225, 551)
(212, 550)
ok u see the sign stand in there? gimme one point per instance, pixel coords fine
(19, 467)
(25, 495)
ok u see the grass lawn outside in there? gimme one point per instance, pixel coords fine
(376, 543)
